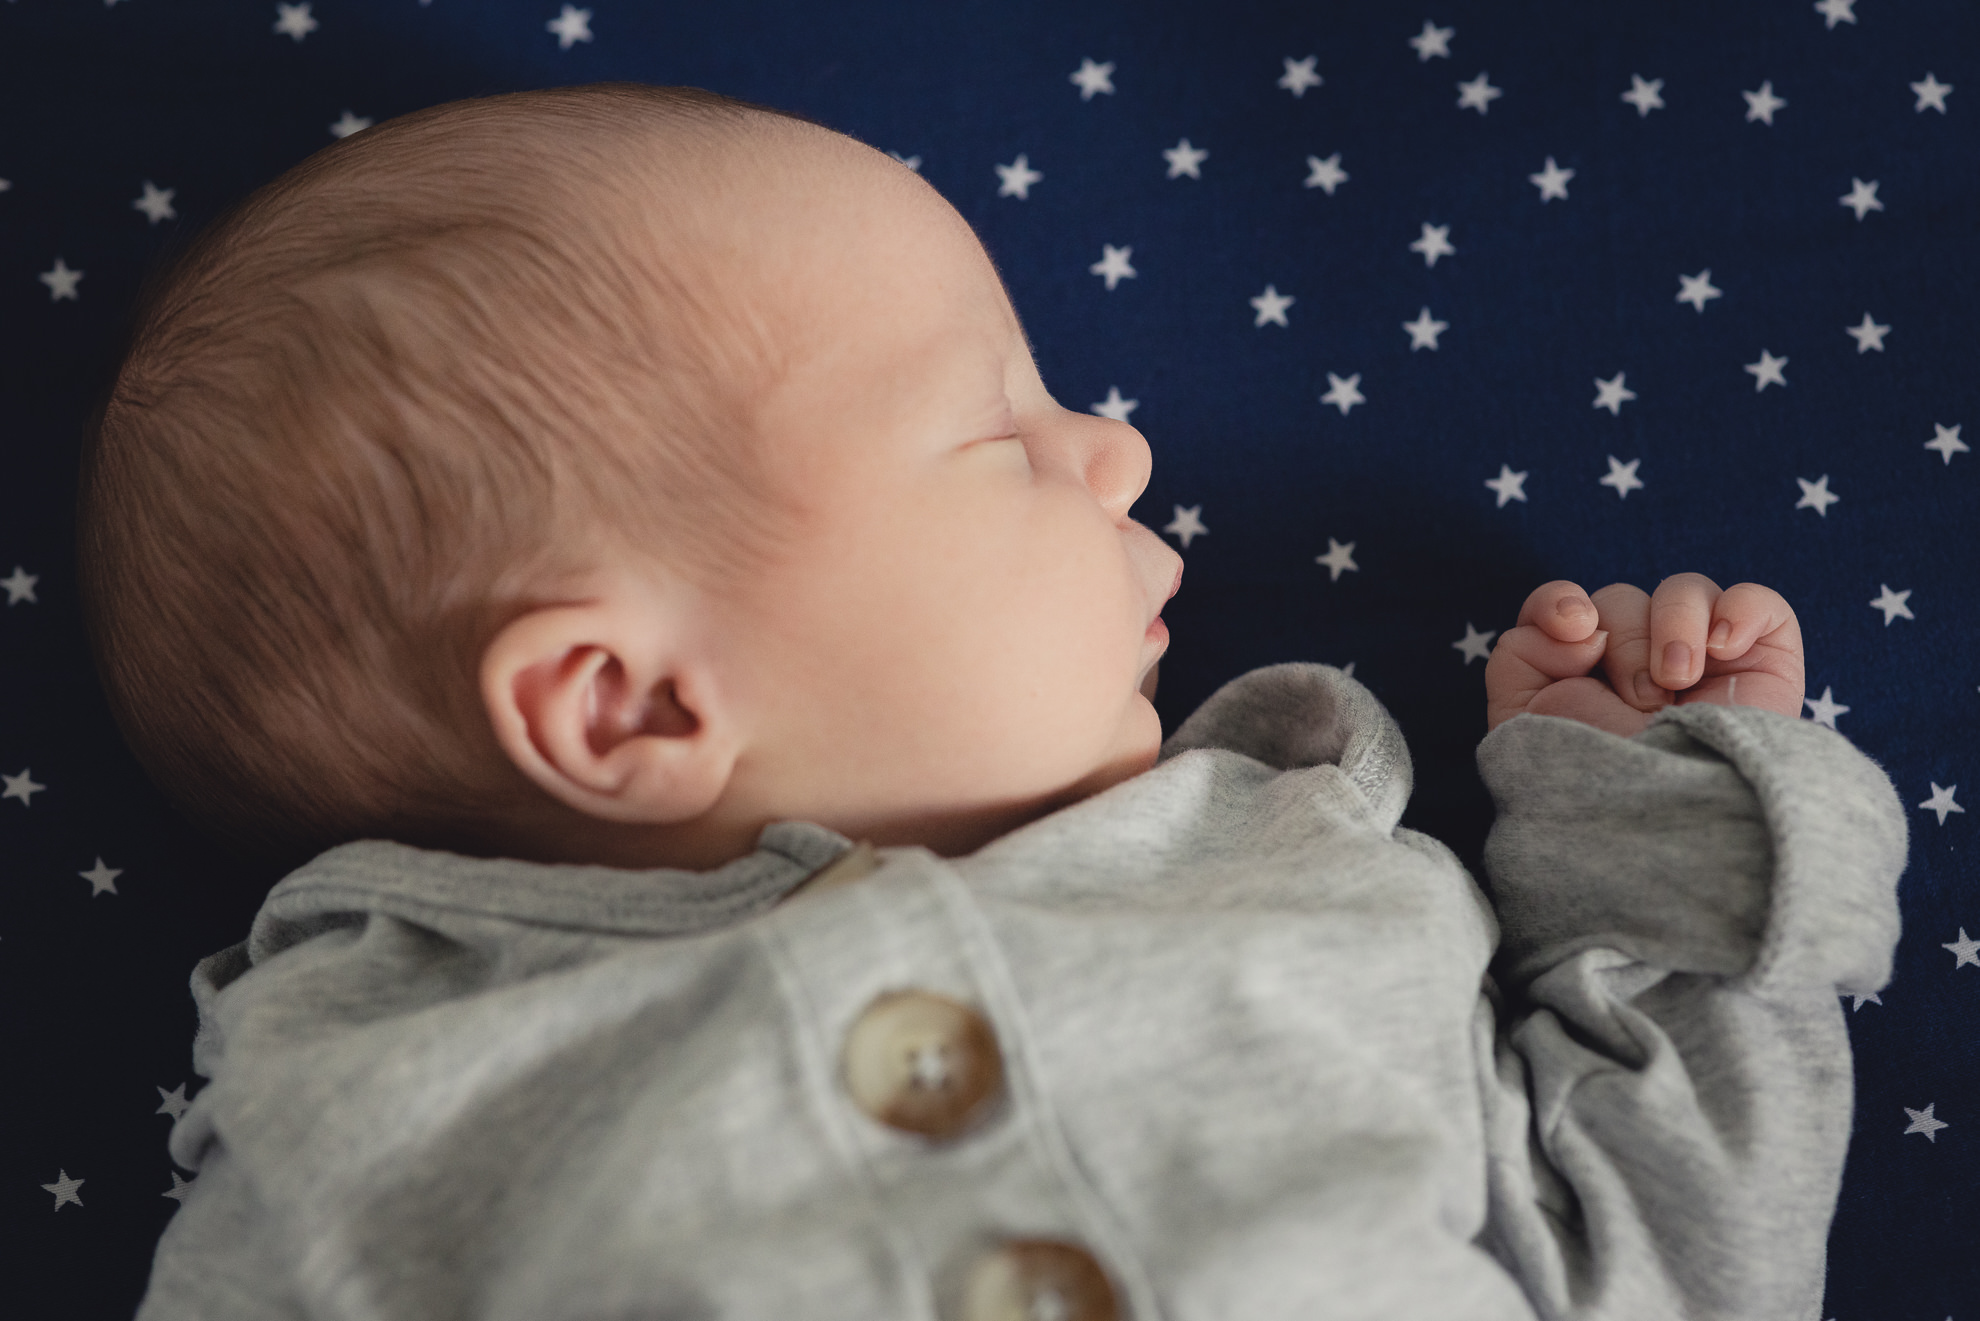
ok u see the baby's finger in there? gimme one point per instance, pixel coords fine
(1746, 613)
(1561, 609)
(1680, 615)
(1625, 616)
(1525, 660)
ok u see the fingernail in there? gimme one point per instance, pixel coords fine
(1648, 691)
(1720, 632)
(1677, 660)
(1571, 607)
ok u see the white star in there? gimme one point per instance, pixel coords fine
(1510, 485)
(5, 185)
(1964, 950)
(1093, 78)
(61, 282)
(1343, 394)
(348, 125)
(1552, 181)
(180, 1187)
(1861, 197)
(912, 162)
(1271, 306)
(1644, 96)
(1432, 42)
(173, 1103)
(1187, 525)
(1017, 178)
(1942, 802)
(1623, 477)
(1823, 710)
(1184, 159)
(1475, 645)
(1816, 495)
(1299, 75)
(1922, 1122)
(1339, 559)
(101, 878)
(1477, 94)
(20, 586)
(1869, 335)
(1946, 441)
(294, 21)
(1836, 11)
(64, 1189)
(1696, 289)
(1861, 1000)
(1762, 104)
(571, 25)
(1326, 174)
(1424, 330)
(1435, 243)
(1892, 604)
(1113, 264)
(1611, 394)
(156, 203)
(1767, 371)
(1932, 93)
(21, 786)
(1114, 406)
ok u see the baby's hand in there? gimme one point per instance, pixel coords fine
(1691, 642)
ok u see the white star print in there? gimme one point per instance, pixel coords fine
(1932, 93)
(1861, 1000)
(1424, 330)
(5, 185)
(1299, 75)
(1964, 950)
(101, 878)
(571, 25)
(1946, 441)
(1942, 802)
(1113, 264)
(1114, 406)
(1093, 78)
(1435, 243)
(180, 1187)
(1184, 159)
(1187, 525)
(1326, 174)
(156, 203)
(1475, 645)
(21, 786)
(1432, 42)
(349, 124)
(1868, 336)
(1861, 197)
(1339, 559)
(1893, 605)
(1923, 1122)
(1762, 104)
(1767, 371)
(1551, 181)
(1508, 484)
(1477, 94)
(295, 21)
(912, 162)
(20, 585)
(1343, 394)
(1697, 289)
(1611, 394)
(1017, 178)
(1823, 710)
(1645, 96)
(1837, 11)
(61, 282)
(1271, 306)
(1816, 495)
(1623, 477)
(173, 1103)
(64, 1189)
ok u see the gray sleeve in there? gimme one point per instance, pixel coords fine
(1668, 1086)
(218, 1259)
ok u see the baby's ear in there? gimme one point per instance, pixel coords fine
(593, 703)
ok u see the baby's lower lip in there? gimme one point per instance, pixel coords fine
(1157, 630)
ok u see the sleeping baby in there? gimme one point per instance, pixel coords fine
(614, 545)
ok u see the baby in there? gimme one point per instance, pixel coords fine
(617, 541)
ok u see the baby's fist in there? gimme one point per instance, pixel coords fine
(1616, 658)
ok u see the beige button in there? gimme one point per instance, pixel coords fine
(922, 1062)
(1038, 1280)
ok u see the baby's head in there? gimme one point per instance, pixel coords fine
(599, 474)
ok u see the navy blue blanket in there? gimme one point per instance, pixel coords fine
(1419, 307)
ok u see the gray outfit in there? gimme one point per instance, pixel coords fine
(1251, 1059)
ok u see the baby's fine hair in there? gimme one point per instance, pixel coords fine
(374, 411)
